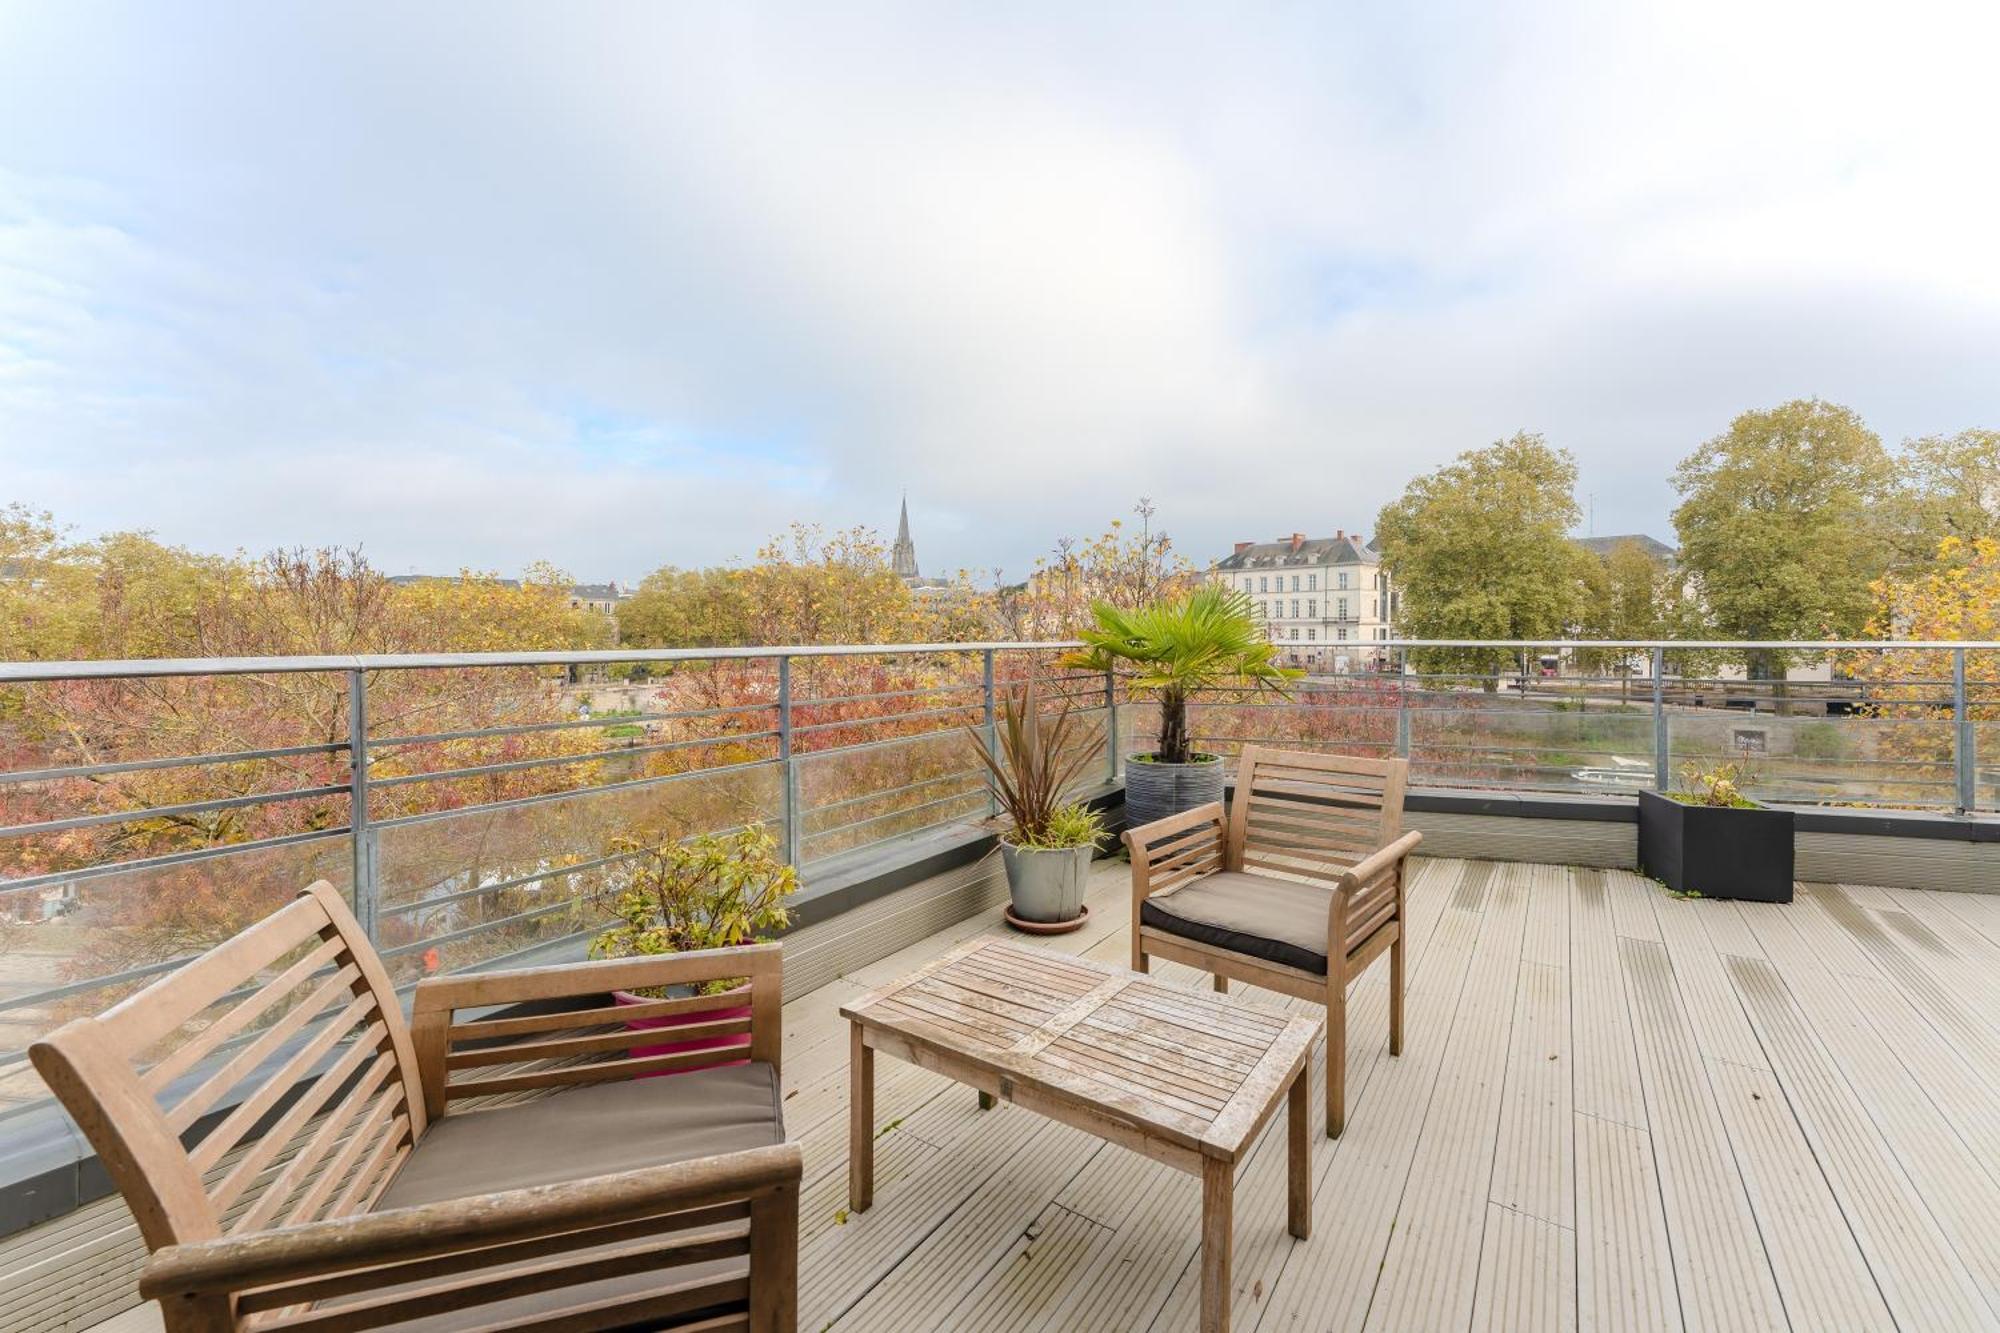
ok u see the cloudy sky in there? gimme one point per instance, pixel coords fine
(623, 286)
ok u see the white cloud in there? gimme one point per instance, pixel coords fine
(624, 286)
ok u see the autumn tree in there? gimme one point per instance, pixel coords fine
(128, 595)
(1955, 597)
(1480, 549)
(1629, 593)
(1776, 527)
(1122, 567)
(806, 586)
(1946, 486)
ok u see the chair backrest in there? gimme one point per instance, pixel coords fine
(1312, 815)
(198, 1091)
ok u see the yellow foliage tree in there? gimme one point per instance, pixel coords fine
(1956, 597)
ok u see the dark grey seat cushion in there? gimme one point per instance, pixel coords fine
(1277, 920)
(582, 1132)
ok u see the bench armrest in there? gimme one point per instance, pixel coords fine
(437, 999)
(294, 1266)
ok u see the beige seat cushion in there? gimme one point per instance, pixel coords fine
(582, 1132)
(1277, 920)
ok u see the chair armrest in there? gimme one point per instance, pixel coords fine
(1171, 850)
(1378, 862)
(449, 1236)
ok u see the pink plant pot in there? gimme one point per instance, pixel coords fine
(667, 1022)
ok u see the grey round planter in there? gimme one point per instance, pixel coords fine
(1046, 884)
(1154, 790)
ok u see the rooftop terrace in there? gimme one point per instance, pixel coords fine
(1616, 1108)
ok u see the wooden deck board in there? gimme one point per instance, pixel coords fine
(1755, 1116)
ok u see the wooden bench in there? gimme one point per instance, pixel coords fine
(1296, 888)
(290, 1148)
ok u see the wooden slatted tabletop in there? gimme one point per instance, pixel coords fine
(1185, 1078)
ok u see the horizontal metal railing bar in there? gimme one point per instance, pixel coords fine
(914, 737)
(556, 761)
(170, 811)
(883, 694)
(178, 761)
(138, 668)
(1695, 645)
(611, 720)
(468, 932)
(812, 810)
(88, 984)
(803, 729)
(574, 793)
(946, 822)
(52, 878)
(977, 792)
(501, 886)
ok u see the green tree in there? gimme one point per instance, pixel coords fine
(1480, 550)
(1628, 594)
(1947, 486)
(1776, 526)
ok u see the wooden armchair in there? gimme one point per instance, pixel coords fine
(288, 1146)
(1297, 888)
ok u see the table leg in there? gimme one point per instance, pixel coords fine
(1298, 1182)
(1218, 1202)
(985, 1101)
(860, 1121)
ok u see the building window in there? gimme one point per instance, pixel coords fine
(1295, 583)
(1343, 578)
(1312, 632)
(1295, 632)
(1374, 609)
(1341, 634)
(1263, 583)
(1312, 583)
(1312, 609)
(1342, 612)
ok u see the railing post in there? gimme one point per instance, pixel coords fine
(794, 817)
(1660, 756)
(1966, 750)
(992, 729)
(367, 884)
(1402, 703)
(1110, 725)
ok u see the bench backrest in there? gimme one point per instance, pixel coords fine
(197, 1091)
(1312, 815)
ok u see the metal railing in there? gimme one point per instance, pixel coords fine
(1889, 723)
(470, 804)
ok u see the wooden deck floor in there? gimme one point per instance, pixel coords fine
(1615, 1110)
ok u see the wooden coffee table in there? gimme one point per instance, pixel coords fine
(1186, 1078)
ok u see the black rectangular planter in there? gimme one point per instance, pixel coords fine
(1716, 851)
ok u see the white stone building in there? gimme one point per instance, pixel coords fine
(1327, 601)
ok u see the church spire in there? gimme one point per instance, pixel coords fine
(903, 555)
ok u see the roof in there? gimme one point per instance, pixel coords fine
(1341, 550)
(597, 592)
(1652, 546)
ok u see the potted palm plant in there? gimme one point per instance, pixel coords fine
(710, 891)
(1202, 640)
(1712, 840)
(1046, 841)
